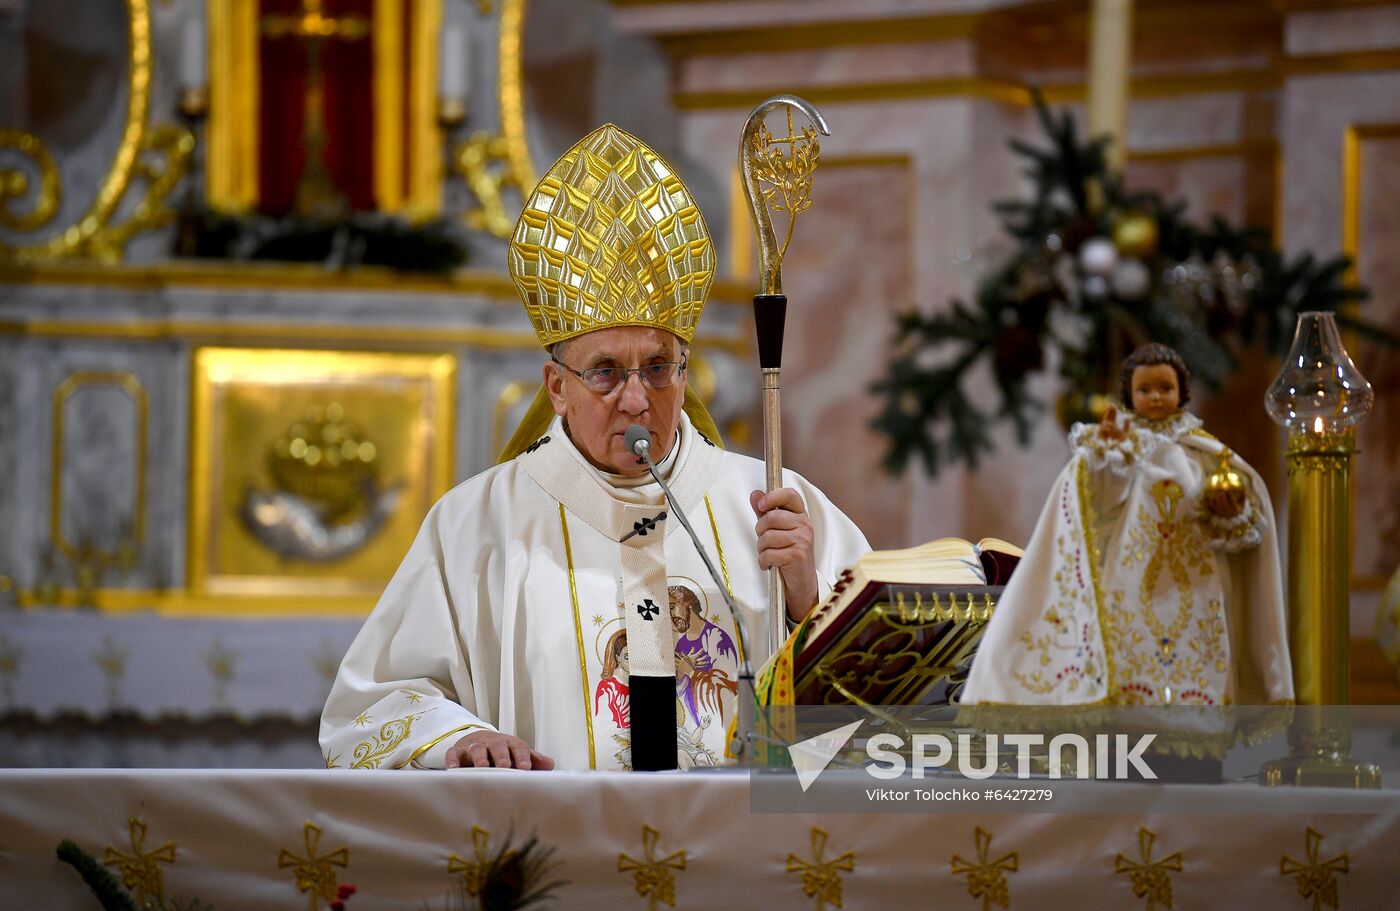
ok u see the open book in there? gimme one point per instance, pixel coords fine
(899, 621)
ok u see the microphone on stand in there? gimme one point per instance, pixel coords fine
(639, 441)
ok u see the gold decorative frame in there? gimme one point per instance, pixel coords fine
(238, 388)
(94, 234)
(131, 385)
(1352, 139)
(234, 81)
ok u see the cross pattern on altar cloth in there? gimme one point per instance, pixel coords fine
(1316, 879)
(1151, 878)
(315, 874)
(474, 871)
(821, 879)
(653, 876)
(986, 879)
(140, 870)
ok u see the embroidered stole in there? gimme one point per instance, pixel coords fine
(640, 531)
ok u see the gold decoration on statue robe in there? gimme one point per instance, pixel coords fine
(653, 875)
(315, 873)
(1151, 878)
(140, 870)
(821, 879)
(611, 237)
(473, 872)
(986, 879)
(1317, 879)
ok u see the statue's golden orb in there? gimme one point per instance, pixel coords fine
(1224, 490)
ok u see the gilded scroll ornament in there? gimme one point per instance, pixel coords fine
(14, 183)
(1151, 878)
(315, 873)
(1317, 879)
(986, 878)
(140, 870)
(97, 233)
(821, 878)
(653, 876)
(484, 162)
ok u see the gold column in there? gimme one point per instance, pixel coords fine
(1320, 396)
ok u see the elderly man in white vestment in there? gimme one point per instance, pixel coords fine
(530, 624)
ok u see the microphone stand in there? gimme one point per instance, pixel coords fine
(747, 697)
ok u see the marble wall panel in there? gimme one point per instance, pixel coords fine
(96, 464)
(1337, 31)
(828, 66)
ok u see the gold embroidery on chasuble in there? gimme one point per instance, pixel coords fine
(315, 873)
(1316, 879)
(821, 879)
(370, 753)
(653, 876)
(1151, 879)
(986, 878)
(140, 870)
(578, 633)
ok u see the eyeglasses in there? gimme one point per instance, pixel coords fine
(604, 380)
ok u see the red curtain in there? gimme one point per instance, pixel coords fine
(348, 68)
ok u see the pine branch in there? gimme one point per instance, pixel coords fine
(104, 886)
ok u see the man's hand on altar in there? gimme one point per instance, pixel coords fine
(485, 749)
(785, 540)
(1109, 429)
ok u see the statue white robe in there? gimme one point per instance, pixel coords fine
(500, 614)
(1132, 593)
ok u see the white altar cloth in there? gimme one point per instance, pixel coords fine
(400, 830)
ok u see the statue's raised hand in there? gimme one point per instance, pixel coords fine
(1108, 427)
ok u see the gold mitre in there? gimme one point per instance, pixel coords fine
(611, 237)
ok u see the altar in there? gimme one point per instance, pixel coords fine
(272, 839)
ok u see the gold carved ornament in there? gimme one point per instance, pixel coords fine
(315, 873)
(653, 876)
(1151, 878)
(159, 155)
(492, 162)
(140, 870)
(986, 879)
(1317, 879)
(821, 879)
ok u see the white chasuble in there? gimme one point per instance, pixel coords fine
(1132, 593)
(535, 589)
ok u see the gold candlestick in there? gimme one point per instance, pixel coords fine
(1320, 396)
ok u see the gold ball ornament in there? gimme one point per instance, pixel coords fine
(1077, 407)
(1224, 490)
(1135, 234)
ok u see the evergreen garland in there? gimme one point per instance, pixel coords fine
(355, 239)
(1069, 292)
